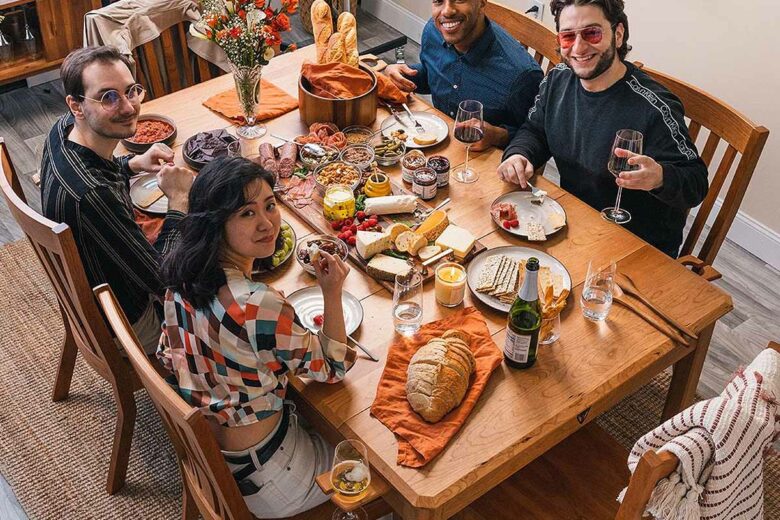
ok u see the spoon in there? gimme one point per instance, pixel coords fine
(314, 149)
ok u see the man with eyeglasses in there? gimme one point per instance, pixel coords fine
(87, 188)
(464, 55)
(584, 102)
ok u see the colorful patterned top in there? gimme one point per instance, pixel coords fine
(231, 360)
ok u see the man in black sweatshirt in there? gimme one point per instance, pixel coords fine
(581, 105)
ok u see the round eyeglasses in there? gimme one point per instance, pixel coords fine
(111, 99)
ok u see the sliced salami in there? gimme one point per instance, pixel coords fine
(287, 157)
(268, 158)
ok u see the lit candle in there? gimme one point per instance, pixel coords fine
(450, 284)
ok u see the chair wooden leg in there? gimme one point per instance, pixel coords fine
(67, 362)
(189, 509)
(123, 436)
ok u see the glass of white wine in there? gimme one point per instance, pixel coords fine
(630, 140)
(350, 476)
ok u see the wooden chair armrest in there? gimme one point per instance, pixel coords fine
(376, 489)
(774, 346)
(651, 468)
(707, 272)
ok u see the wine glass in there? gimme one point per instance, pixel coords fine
(630, 140)
(469, 128)
(350, 476)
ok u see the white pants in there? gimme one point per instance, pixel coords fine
(286, 480)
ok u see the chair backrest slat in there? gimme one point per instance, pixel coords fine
(203, 467)
(744, 138)
(693, 130)
(528, 31)
(56, 249)
(170, 59)
(155, 74)
(186, 55)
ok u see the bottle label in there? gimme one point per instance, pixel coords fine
(516, 346)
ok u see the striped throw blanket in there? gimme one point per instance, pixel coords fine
(720, 443)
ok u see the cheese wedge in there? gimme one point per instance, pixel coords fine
(434, 225)
(383, 267)
(369, 243)
(410, 242)
(428, 252)
(391, 204)
(461, 241)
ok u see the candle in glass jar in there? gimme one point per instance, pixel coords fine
(450, 284)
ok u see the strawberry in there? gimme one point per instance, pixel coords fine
(507, 224)
(352, 240)
(514, 223)
(318, 320)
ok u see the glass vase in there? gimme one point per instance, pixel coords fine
(248, 89)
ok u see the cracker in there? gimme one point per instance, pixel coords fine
(535, 231)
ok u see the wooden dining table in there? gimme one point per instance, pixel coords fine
(522, 413)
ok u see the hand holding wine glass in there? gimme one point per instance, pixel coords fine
(469, 129)
(631, 141)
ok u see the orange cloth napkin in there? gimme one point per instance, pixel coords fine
(274, 102)
(419, 442)
(151, 225)
(341, 81)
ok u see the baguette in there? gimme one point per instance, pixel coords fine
(335, 52)
(322, 27)
(347, 25)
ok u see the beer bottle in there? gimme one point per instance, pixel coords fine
(525, 318)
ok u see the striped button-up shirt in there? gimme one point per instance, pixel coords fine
(497, 71)
(91, 195)
(231, 359)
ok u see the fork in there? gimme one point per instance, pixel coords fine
(420, 128)
(392, 110)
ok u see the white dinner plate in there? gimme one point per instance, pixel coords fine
(518, 253)
(432, 123)
(142, 185)
(308, 303)
(528, 211)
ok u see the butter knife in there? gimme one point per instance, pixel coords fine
(395, 115)
(420, 128)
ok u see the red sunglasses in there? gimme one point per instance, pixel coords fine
(592, 35)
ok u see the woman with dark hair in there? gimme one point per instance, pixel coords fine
(230, 341)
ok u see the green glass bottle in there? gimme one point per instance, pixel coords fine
(525, 318)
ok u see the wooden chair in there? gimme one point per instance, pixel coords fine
(85, 329)
(208, 486)
(166, 64)
(741, 137)
(578, 478)
(528, 31)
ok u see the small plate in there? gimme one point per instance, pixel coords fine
(258, 268)
(308, 303)
(432, 123)
(143, 147)
(527, 211)
(141, 186)
(519, 253)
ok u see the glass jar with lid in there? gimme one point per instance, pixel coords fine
(339, 202)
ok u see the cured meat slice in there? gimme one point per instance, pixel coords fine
(268, 158)
(287, 157)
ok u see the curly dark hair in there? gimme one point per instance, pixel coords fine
(192, 268)
(613, 11)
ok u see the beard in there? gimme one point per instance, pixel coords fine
(604, 63)
(111, 128)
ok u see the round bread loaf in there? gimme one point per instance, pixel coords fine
(438, 375)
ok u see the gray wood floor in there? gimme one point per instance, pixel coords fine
(26, 115)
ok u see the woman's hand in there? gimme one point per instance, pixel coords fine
(331, 272)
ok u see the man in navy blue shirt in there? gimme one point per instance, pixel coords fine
(466, 56)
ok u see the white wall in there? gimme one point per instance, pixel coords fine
(724, 47)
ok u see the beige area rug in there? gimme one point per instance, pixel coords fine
(55, 455)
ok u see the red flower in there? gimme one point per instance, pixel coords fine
(260, 4)
(242, 14)
(269, 14)
(281, 23)
(209, 34)
(290, 5)
(211, 22)
(235, 32)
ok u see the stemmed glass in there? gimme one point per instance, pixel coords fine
(630, 140)
(469, 128)
(350, 476)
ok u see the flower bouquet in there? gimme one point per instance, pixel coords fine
(248, 31)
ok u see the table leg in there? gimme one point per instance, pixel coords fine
(685, 376)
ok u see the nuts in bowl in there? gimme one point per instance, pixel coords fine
(337, 172)
(358, 134)
(312, 161)
(388, 150)
(360, 155)
(309, 249)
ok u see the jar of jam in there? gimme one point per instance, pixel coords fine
(411, 162)
(424, 185)
(441, 165)
(339, 202)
